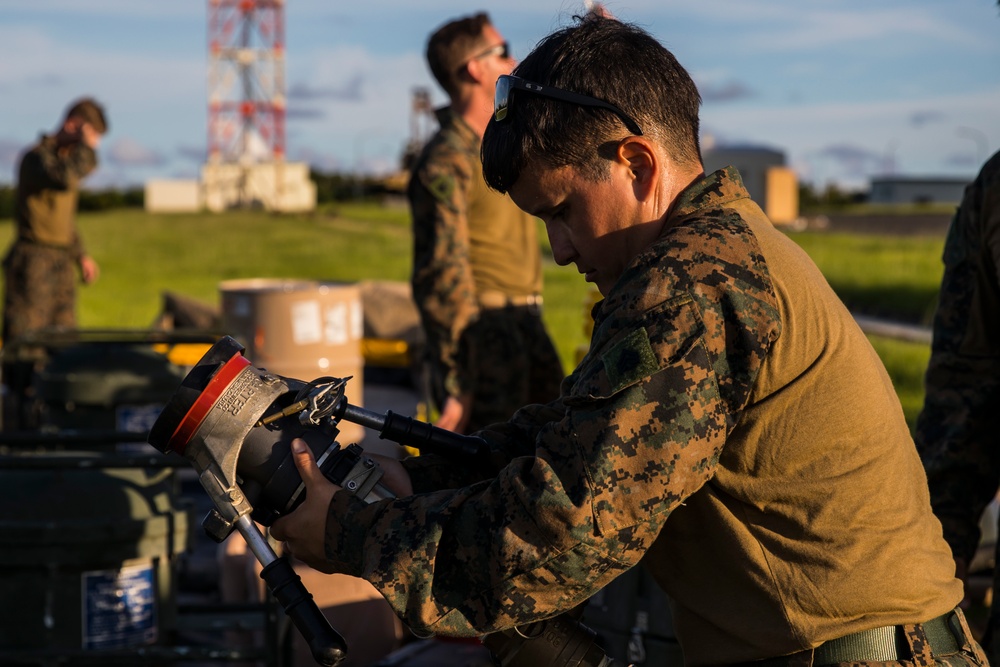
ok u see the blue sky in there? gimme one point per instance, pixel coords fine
(848, 89)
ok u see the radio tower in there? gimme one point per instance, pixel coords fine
(246, 101)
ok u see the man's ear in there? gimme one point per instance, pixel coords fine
(643, 162)
(473, 70)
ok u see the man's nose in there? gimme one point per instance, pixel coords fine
(562, 249)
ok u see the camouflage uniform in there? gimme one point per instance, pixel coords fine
(731, 427)
(956, 430)
(476, 281)
(40, 267)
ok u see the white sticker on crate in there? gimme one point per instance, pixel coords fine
(335, 324)
(119, 607)
(307, 328)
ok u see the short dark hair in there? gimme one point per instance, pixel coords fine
(608, 59)
(90, 111)
(451, 46)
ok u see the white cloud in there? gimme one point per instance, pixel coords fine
(129, 152)
(356, 76)
(807, 132)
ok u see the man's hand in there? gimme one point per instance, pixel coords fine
(89, 271)
(90, 136)
(304, 530)
(455, 413)
(394, 475)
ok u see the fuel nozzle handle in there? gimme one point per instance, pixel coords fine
(328, 648)
(415, 433)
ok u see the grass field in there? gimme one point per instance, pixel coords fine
(895, 277)
(143, 255)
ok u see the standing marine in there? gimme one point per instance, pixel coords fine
(40, 269)
(477, 272)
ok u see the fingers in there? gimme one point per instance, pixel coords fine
(89, 270)
(304, 460)
(303, 530)
(394, 475)
(455, 413)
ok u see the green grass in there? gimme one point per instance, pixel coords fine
(906, 362)
(143, 255)
(895, 277)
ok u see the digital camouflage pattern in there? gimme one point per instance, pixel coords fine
(468, 240)
(964, 653)
(659, 421)
(956, 431)
(510, 361)
(41, 289)
(39, 269)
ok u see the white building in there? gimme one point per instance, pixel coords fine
(771, 184)
(917, 190)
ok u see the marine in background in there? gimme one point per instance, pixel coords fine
(956, 431)
(42, 266)
(477, 271)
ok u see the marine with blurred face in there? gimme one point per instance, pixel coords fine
(40, 266)
(731, 429)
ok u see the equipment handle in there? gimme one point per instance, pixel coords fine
(327, 646)
(415, 433)
(430, 438)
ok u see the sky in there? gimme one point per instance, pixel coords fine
(847, 89)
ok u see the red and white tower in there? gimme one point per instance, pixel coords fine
(246, 98)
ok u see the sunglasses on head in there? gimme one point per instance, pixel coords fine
(508, 83)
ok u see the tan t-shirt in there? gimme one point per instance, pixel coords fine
(820, 517)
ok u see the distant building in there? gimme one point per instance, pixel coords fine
(271, 186)
(917, 190)
(770, 183)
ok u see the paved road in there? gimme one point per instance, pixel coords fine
(898, 330)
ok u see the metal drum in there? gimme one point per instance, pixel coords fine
(300, 329)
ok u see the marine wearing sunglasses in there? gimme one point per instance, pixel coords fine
(508, 83)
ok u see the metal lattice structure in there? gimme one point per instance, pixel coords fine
(246, 101)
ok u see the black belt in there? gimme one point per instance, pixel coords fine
(876, 645)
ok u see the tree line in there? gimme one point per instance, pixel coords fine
(330, 187)
(340, 187)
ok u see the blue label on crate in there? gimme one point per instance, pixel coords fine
(119, 607)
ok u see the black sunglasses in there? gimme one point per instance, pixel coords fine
(508, 83)
(502, 50)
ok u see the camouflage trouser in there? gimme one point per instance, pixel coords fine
(40, 289)
(991, 636)
(916, 648)
(512, 362)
